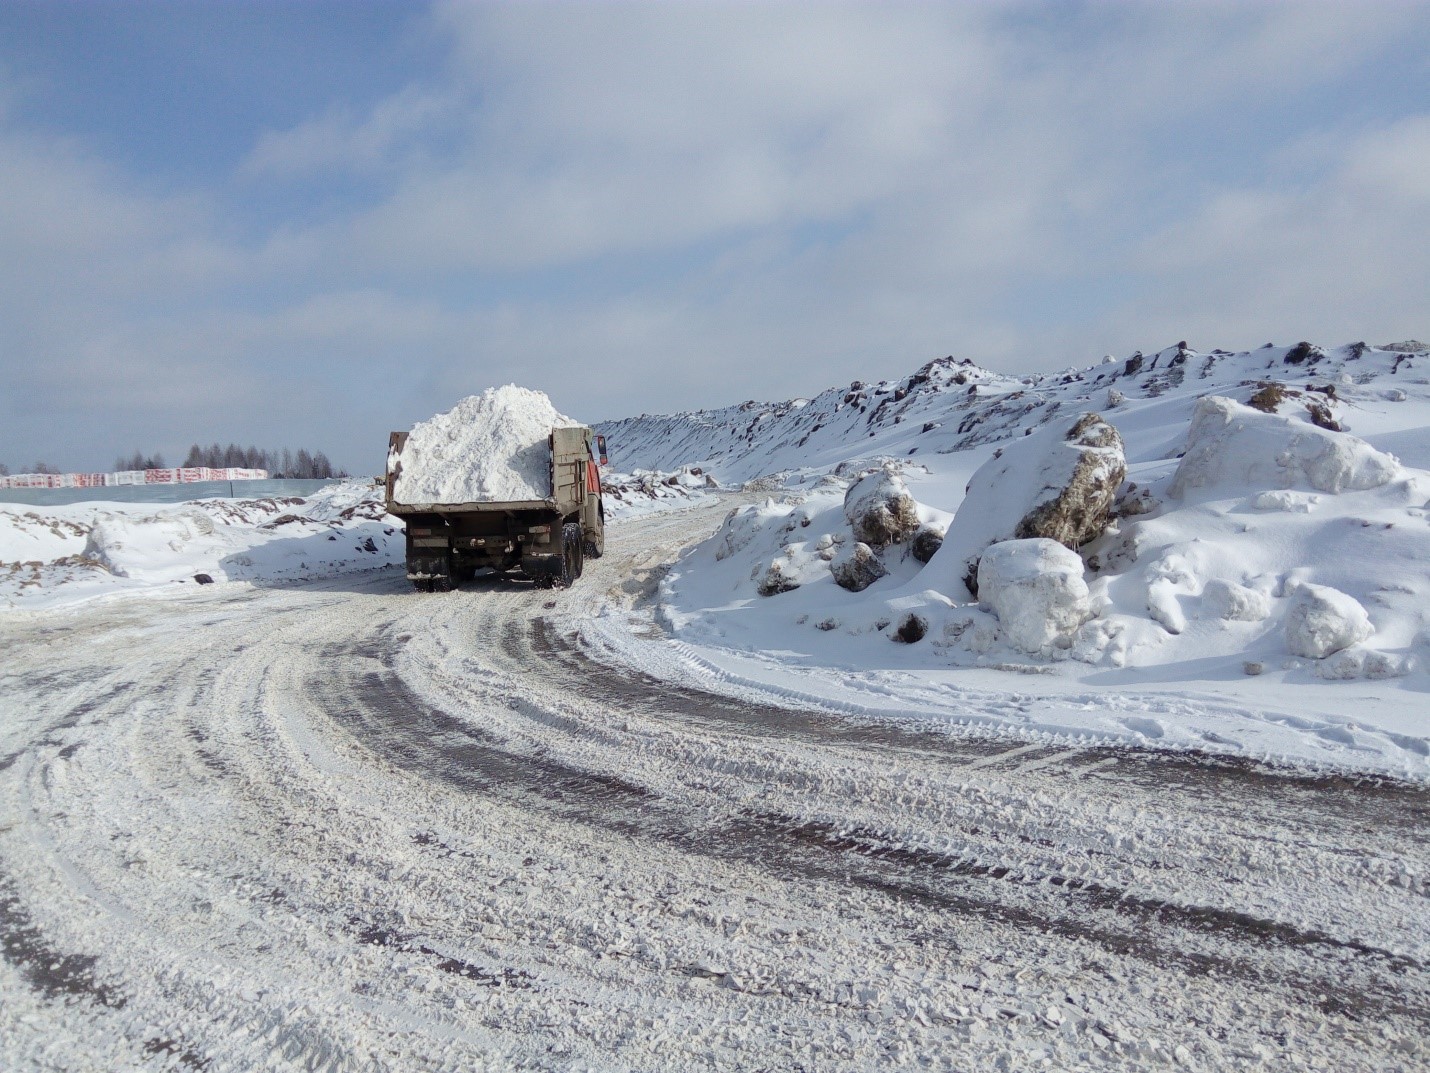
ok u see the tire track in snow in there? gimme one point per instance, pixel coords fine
(1148, 928)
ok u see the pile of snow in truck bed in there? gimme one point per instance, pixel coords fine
(490, 447)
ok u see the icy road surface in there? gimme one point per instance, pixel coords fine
(346, 826)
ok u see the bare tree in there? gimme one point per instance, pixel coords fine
(195, 457)
(4, 470)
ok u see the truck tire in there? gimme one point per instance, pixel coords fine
(573, 554)
(593, 548)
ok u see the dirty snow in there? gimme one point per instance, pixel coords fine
(490, 447)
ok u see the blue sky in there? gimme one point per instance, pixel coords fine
(308, 223)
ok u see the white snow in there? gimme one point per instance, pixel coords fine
(1024, 474)
(1036, 589)
(1322, 621)
(1231, 446)
(61, 555)
(1201, 630)
(873, 504)
(1197, 593)
(490, 447)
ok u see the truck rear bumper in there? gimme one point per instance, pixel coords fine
(425, 568)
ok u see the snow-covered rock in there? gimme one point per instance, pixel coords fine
(1036, 589)
(880, 509)
(1323, 620)
(777, 578)
(926, 543)
(489, 447)
(1058, 483)
(856, 567)
(1231, 448)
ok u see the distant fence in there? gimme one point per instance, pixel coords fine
(161, 493)
(181, 475)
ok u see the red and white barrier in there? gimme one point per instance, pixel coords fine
(185, 475)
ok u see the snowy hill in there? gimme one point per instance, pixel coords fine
(952, 405)
(1261, 549)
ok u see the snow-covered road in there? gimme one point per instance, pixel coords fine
(346, 826)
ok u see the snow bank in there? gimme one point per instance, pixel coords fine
(1233, 447)
(629, 495)
(490, 447)
(1251, 555)
(879, 508)
(71, 553)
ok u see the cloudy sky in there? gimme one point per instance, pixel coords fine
(307, 223)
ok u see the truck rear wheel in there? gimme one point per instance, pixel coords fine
(573, 554)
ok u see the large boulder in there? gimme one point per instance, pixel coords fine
(856, 567)
(1234, 449)
(1059, 483)
(1037, 590)
(1323, 620)
(880, 509)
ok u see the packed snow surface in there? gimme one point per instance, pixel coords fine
(491, 448)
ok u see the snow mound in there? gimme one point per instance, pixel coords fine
(1232, 447)
(1036, 589)
(1059, 482)
(146, 547)
(1321, 621)
(490, 447)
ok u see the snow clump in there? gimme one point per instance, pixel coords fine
(1323, 620)
(490, 447)
(1230, 602)
(1036, 589)
(1234, 447)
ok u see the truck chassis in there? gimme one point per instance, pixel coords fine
(547, 540)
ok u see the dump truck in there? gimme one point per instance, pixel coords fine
(548, 540)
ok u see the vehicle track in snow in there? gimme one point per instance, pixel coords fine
(347, 826)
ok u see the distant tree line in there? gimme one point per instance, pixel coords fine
(300, 465)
